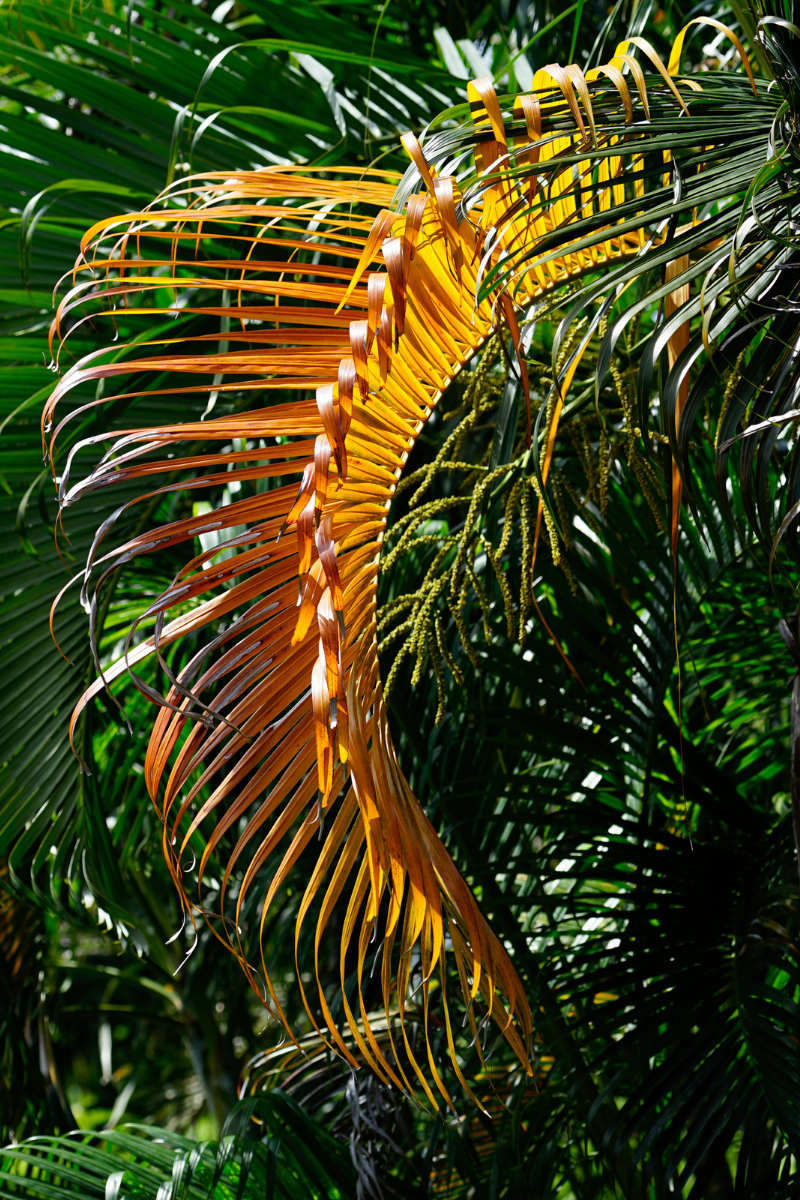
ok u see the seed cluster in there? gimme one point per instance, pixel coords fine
(481, 554)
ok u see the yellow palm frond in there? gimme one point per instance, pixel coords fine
(351, 306)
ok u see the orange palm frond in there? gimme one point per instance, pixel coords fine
(356, 315)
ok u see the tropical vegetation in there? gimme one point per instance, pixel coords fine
(400, 647)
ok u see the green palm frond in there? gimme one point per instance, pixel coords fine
(269, 1147)
(645, 880)
(706, 178)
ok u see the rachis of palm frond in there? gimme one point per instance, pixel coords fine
(350, 300)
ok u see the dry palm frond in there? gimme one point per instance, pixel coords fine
(355, 316)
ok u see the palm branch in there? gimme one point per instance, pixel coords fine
(86, 846)
(373, 395)
(336, 709)
(268, 1147)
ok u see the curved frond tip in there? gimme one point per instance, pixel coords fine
(351, 316)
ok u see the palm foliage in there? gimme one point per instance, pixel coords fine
(633, 265)
(264, 726)
(293, 1157)
(646, 887)
(126, 149)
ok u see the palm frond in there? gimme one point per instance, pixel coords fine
(268, 1147)
(237, 738)
(702, 175)
(570, 809)
(265, 715)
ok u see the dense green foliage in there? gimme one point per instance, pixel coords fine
(629, 832)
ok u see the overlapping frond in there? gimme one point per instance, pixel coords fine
(350, 304)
